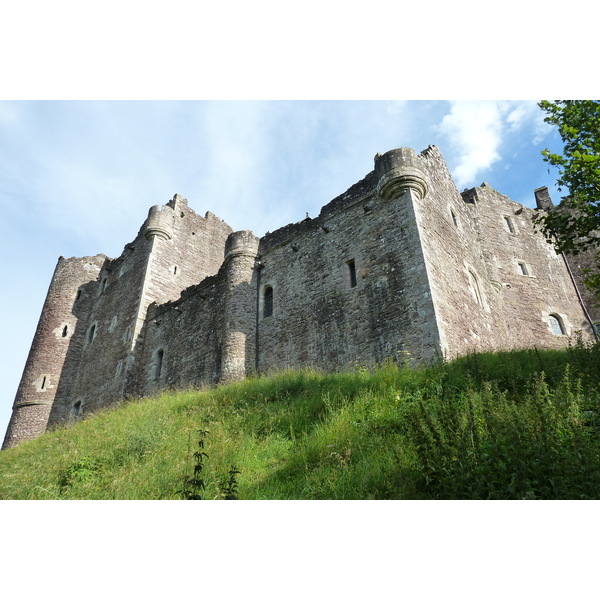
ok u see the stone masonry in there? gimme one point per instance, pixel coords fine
(401, 266)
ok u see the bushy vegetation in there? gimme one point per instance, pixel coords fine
(517, 425)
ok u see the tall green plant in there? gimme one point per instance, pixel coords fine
(193, 485)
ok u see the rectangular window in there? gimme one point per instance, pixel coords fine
(352, 272)
(268, 301)
(508, 225)
(159, 363)
(523, 268)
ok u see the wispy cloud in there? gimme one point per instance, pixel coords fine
(476, 131)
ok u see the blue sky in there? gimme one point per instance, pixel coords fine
(77, 177)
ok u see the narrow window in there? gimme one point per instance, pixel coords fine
(43, 383)
(352, 272)
(523, 268)
(77, 408)
(159, 363)
(78, 295)
(476, 290)
(268, 301)
(174, 270)
(91, 334)
(65, 331)
(454, 220)
(508, 225)
(556, 325)
(103, 286)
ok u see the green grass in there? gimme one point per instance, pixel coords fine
(499, 426)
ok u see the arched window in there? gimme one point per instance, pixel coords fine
(268, 301)
(556, 325)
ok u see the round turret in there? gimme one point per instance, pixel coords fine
(397, 171)
(239, 337)
(160, 222)
(241, 243)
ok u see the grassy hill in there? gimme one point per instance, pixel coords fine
(512, 425)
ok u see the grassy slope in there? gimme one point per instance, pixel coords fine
(513, 425)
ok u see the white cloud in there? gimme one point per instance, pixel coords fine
(476, 130)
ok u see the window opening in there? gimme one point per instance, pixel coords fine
(352, 272)
(65, 331)
(454, 220)
(91, 334)
(523, 268)
(78, 295)
(475, 284)
(508, 225)
(268, 301)
(43, 383)
(159, 363)
(556, 325)
(77, 408)
(174, 270)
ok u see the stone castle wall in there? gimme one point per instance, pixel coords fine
(535, 282)
(401, 266)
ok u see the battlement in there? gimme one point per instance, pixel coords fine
(399, 265)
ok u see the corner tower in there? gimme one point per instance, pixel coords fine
(58, 334)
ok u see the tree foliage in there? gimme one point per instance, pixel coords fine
(576, 224)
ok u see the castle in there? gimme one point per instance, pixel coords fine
(400, 266)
